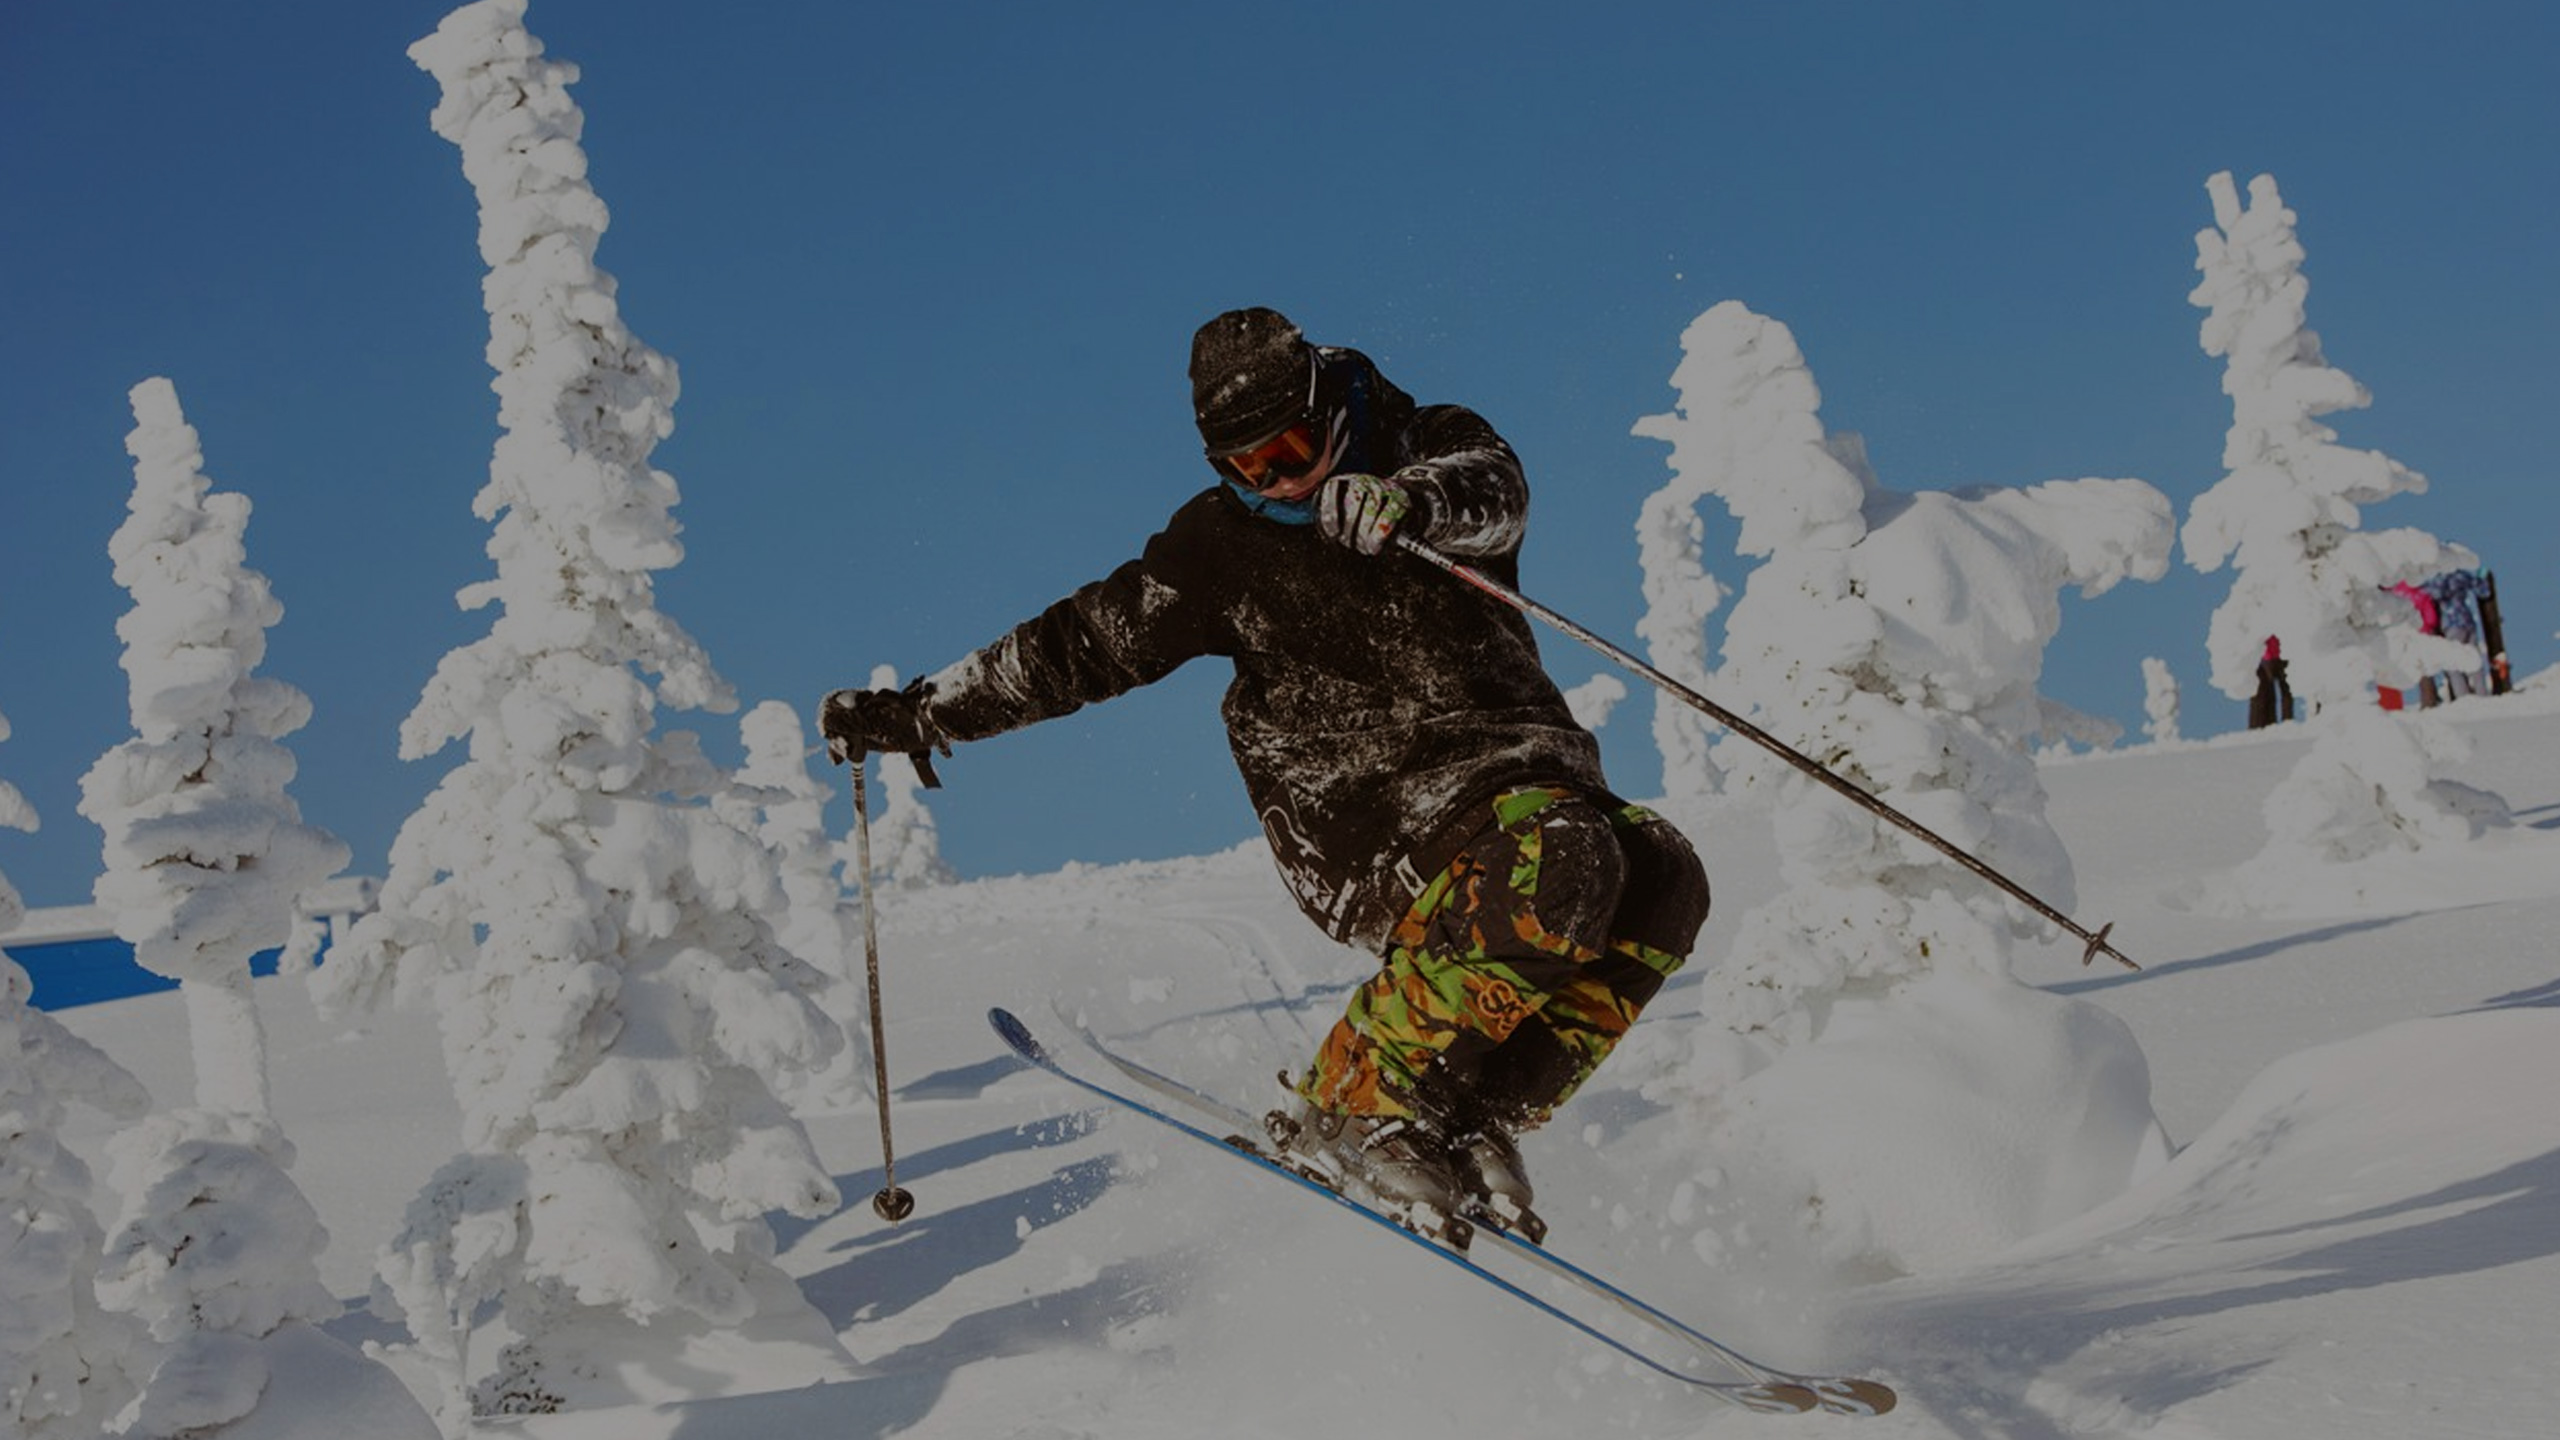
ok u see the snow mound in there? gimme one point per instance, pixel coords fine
(2369, 1133)
(1935, 1125)
(296, 1383)
(2325, 1213)
(2361, 827)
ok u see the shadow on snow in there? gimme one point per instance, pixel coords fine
(1979, 1350)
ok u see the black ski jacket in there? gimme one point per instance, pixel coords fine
(1377, 702)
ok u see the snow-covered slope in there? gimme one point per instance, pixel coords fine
(2358, 1236)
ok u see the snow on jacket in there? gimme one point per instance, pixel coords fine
(1377, 702)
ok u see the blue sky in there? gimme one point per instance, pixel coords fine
(930, 273)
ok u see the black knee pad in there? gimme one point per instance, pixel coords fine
(1664, 899)
(1582, 874)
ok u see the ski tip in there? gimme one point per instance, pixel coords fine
(1017, 1035)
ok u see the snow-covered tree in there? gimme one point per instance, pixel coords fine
(206, 853)
(1896, 638)
(1595, 699)
(2064, 726)
(777, 799)
(1679, 593)
(216, 1251)
(594, 935)
(66, 1366)
(2287, 512)
(2159, 701)
(2286, 516)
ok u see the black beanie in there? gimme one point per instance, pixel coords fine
(1250, 370)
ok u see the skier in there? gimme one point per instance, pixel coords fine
(1425, 791)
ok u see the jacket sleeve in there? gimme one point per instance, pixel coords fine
(1110, 637)
(1475, 501)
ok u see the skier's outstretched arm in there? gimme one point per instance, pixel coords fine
(1106, 639)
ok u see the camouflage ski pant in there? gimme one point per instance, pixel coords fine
(1520, 966)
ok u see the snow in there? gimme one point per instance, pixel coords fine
(2354, 1237)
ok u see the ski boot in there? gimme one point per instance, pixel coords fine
(1401, 1165)
(1484, 1124)
(1511, 1091)
(1499, 1182)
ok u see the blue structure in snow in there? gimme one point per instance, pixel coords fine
(73, 957)
(87, 970)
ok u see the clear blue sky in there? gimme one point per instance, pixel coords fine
(930, 272)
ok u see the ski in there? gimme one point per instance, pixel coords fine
(1838, 1394)
(1756, 1387)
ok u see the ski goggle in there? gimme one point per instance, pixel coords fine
(1284, 457)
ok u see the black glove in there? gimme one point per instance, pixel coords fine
(881, 722)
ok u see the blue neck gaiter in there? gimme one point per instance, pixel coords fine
(1287, 512)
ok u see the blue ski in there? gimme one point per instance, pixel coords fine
(1760, 1387)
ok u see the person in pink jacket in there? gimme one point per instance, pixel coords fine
(2274, 700)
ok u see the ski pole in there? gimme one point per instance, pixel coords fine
(891, 1204)
(2097, 940)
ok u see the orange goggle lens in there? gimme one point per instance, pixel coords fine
(1283, 457)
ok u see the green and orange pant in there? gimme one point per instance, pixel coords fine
(1520, 966)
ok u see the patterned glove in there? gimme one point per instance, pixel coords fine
(1362, 511)
(883, 722)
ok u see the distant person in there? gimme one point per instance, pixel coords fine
(2274, 700)
(2430, 622)
(2453, 592)
(1425, 791)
